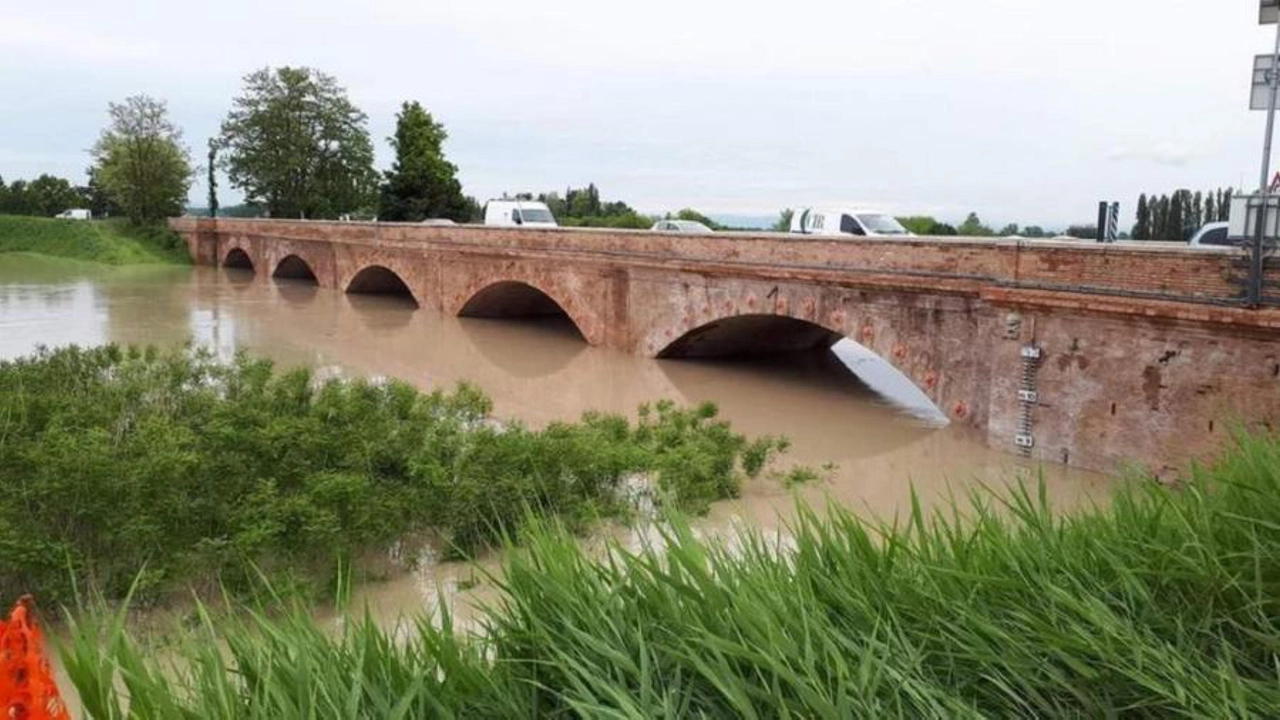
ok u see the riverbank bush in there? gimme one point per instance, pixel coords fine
(115, 241)
(114, 460)
(1165, 603)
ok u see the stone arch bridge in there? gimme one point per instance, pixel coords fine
(1087, 354)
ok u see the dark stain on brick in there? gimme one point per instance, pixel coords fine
(1167, 356)
(1151, 386)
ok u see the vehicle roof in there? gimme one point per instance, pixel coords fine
(849, 210)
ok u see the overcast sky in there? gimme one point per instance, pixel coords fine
(1024, 110)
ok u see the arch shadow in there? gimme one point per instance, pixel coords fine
(514, 299)
(381, 280)
(293, 267)
(764, 337)
(237, 258)
(750, 335)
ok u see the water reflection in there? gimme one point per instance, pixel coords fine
(556, 336)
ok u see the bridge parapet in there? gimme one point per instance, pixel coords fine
(964, 265)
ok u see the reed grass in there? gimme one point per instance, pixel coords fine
(1161, 603)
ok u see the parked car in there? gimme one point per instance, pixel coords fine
(869, 223)
(75, 214)
(525, 213)
(681, 226)
(1214, 234)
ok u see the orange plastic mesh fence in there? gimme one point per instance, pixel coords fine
(27, 688)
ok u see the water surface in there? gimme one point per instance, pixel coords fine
(876, 445)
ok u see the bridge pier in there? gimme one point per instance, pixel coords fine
(1090, 355)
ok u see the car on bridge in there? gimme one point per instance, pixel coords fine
(867, 223)
(681, 226)
(1214, 234)
(524, 213)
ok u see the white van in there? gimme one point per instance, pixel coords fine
(525, 213)
(75, 214)
(869, 223)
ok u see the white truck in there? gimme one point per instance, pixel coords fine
(844, 221)
(75, 214)
(523, 213)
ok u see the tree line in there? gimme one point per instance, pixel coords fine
(297, 147)
(582, 207)
(1178, 216)
(140, 170)
(293, 143)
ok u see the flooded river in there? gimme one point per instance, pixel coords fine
(877, 443)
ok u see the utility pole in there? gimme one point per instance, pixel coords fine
(1268, 14)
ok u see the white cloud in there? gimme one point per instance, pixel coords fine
(1166, 153)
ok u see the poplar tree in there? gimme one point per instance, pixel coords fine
(1142, 230)
(213, 180)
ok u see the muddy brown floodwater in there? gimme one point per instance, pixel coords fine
(878, 442)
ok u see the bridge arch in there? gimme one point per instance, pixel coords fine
(759, 334)
(380, 280)
(293, 267)
(237, 257)
(519, 299)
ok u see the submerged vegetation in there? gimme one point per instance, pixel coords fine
(113, 242)
(190, 471)
(1164, 603)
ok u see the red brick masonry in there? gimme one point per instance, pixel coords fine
(1145, 356)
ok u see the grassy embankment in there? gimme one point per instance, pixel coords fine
(113, 242)
(1164, 604)
(191, 472)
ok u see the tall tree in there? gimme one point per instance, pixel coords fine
(4, 195)
(96, 197)
(1197, 210)
(15, 200)
(1210, 208)
(1224, 207)
(1142, 229)
(1176, 220)
(213, 178)
(48, 195)
(294, 143)
(973, 227)
(141, 161)
(422, 183)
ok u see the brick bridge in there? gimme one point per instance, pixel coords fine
(1142, 354)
